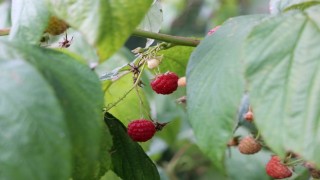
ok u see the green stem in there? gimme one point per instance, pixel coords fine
(4, 32)
(292, 163)
(177, 40)
(134, 85)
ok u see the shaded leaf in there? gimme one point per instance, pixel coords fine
(79, 93)
(32, 123)
(216, 86)
(128, 158)
(282, 70)
(105, 24)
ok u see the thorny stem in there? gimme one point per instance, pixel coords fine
(134, 85)
(177, 40)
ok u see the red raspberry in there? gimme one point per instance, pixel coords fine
(276, 169)
(249, 145)
(165, 83)
(141, 130)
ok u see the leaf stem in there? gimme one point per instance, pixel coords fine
(177, 40)
(4, 32)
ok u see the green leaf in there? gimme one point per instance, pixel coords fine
(105, 162)
(128, 158)
(29, 20)
(254, 165)
(175, 59)
(152, 20)
(105, 24)
(278, 6)
(282, 70)
(34, 139)
(129, 107)
(78, 90)
(215, 86)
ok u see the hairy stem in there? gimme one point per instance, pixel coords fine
(177, 40)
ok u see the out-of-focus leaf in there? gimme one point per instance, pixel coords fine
(282, 73)
(152, 20)
(79, 93)
(106, 25)
(216, 85)
(29, 20)
(32, 129)
(278, 6)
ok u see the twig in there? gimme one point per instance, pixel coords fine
(177, 40)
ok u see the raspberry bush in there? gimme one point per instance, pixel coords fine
(81, 98)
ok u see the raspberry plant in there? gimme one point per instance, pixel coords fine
(67, 103)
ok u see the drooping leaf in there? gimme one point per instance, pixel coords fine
(175, 59)
(216, 85)
(29, 20)
(105, 24)
(79, 93)
(152, 20)
(34, 139)
(278, 6)
(128, 158)
(282, 70)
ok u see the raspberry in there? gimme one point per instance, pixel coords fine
(249, 145)
(141, 130)
(213, 30)
(249, 116)
(56, 26)
(165, 83)
(182, 81)
(276, 169)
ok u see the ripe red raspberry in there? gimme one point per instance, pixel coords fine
(276, 169)
(141, 130)
(165, 83)
(249, 145)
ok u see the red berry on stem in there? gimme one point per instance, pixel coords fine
(276, 169)
(165, 83)
(141, 130)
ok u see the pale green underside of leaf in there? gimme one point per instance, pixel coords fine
(215, 86)
(105, 24)
(283, 74)
(152, 21)
(278, 6)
